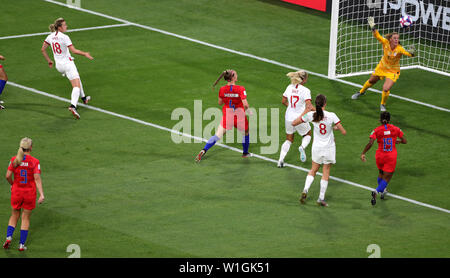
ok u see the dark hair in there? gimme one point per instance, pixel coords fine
(227, 75)
(385, 117)
(320, 101)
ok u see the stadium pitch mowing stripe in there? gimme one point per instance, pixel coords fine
(218, 144)
(68, 31)
(240, 53)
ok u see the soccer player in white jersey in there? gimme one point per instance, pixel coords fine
(297, 99)
(60, 44)
(323, 147)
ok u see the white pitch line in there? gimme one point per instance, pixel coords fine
(68, 31)
(218, 144)
(243, 54)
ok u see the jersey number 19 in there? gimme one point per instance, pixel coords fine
(387, 144)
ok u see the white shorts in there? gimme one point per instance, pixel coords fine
(68, 69)
(324, 155)
(302, 128)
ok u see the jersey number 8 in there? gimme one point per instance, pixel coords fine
(323, 129)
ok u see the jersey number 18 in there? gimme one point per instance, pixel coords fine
(56, 47)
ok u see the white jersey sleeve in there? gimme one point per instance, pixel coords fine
(334, 118)
(286, 92)
(306, 94)
(48, 40)
(67, 41)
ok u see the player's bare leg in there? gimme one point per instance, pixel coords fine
(15, 214)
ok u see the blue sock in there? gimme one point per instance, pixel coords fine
(382, 185)
(2, 85)
(23, 236)
(211, 142)
(10, 231)
(379, 179)
(246, 143)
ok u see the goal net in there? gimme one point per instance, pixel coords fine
(354, 50)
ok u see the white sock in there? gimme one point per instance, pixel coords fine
(284, 149)
(81, 90)
(75, 96)
(309, 180)
(323, 189)
(305, 141)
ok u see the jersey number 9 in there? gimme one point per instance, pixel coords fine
(23, 174)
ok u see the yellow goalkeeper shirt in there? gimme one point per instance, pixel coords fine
(391, 58)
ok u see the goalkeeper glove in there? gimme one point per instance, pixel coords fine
(412, 50)
(371, 22)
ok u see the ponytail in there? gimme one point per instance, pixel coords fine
(25, 146)
(218, 79)
(297, 77)
(227, 75)
(54, 26)
(320, 102)
(19, 158)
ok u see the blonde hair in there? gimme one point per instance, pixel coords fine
(297, 77)
(25, 146)
(58, 23)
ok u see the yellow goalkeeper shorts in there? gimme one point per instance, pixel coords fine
(386, 74)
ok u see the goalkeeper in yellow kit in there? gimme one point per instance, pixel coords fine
(389, 66)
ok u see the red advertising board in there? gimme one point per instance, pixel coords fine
(320, 5)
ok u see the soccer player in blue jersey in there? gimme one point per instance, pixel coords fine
(3, 80)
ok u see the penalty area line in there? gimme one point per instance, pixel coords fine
(218, 144)
(68, 31)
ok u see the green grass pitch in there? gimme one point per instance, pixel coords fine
(118, 188)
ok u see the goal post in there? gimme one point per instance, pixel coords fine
(355, 51)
